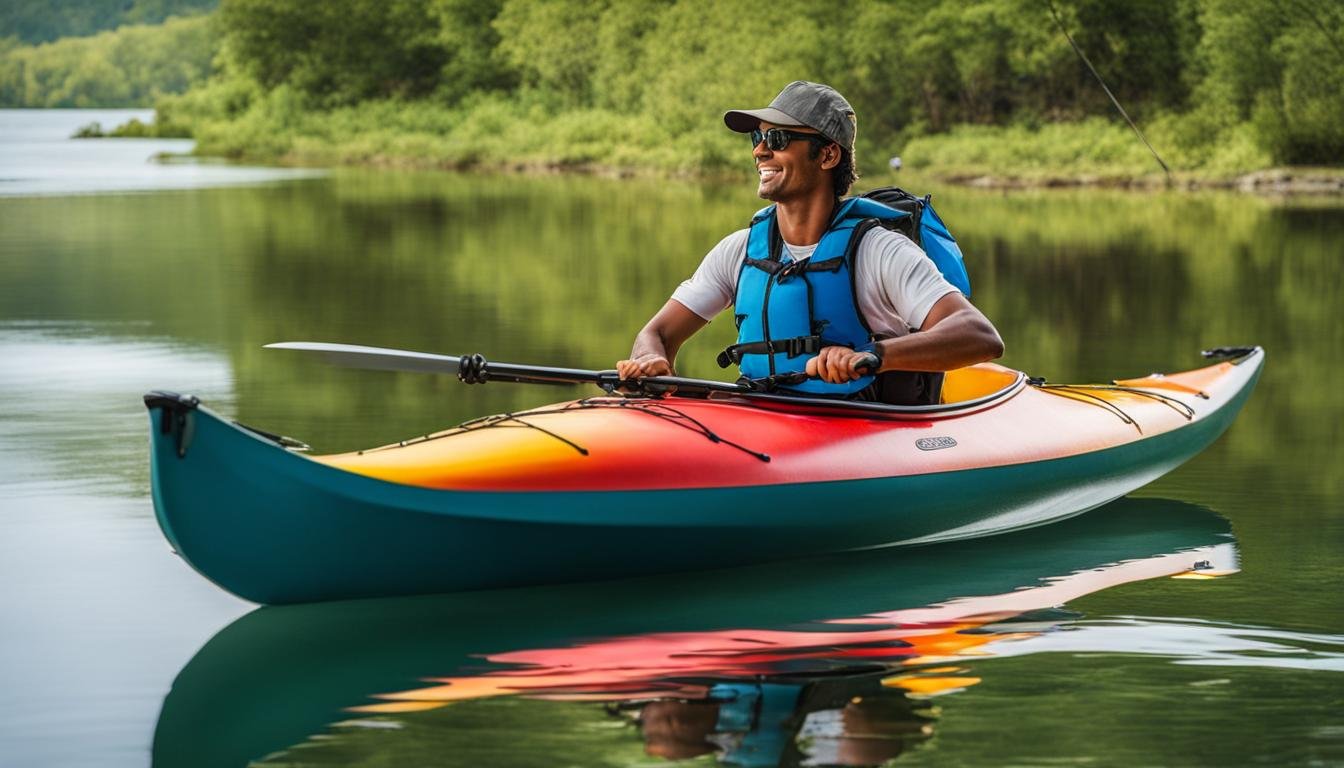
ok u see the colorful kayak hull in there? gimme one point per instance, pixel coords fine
(273, 526)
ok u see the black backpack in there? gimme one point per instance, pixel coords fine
(924, 226)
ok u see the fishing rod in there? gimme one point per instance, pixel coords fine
(1060, 23)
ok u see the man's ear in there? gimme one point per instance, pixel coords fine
(830, 156)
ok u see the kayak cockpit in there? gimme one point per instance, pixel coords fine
(977, 382)
(965, 390)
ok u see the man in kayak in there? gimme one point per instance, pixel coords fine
(788, 276)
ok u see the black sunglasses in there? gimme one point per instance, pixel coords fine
(776, 139)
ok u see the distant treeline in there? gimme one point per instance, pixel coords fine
(41, 21)
(130, 67)
(1221, 85)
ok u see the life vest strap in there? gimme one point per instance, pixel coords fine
(788, 269)
(798, 345)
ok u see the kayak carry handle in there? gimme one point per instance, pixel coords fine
(175, 418)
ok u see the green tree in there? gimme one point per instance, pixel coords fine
(469, 39)
(551, 44)
(704, 56)
(1280, 64)
(622, 36)
(336, 52)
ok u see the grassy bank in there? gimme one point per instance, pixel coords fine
(487, 132)
(495, 133)
(1097, 152)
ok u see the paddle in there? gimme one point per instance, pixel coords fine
(474, 369)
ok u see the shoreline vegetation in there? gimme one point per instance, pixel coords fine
(415, 151)
(503, 138)
(1236, 94)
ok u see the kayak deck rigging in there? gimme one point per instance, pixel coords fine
(1076, 391)
(654, 408)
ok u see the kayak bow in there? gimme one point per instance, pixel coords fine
(572, 492)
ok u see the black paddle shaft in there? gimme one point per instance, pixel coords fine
(475, 369)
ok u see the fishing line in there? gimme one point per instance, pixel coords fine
(1060, 23)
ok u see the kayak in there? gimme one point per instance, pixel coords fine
(883, 624)
(612, 486)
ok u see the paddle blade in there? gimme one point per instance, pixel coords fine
(375, 358)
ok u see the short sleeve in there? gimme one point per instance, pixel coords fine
(895, 276)
(709, 290)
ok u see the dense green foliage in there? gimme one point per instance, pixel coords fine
(129, 67)
(336, 53)
(1223, 87)
(41, 21)
(1279, 65)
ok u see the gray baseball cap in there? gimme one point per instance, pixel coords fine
(812, 105)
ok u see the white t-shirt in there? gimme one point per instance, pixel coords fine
(896, 283)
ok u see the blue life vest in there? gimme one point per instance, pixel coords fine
(761, 715)
(786, 311)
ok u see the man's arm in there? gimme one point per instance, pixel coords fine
(656, 346)
(954, 334)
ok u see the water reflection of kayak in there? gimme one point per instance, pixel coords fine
(611, 487)
(709, 651)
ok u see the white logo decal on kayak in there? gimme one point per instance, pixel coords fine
(934, 443)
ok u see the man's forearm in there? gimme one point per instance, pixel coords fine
(656, 344)
(961, 339)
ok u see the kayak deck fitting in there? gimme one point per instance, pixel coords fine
(613, 486)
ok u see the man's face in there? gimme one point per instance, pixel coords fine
(790, 172)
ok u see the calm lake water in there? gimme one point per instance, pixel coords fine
(1064, 645)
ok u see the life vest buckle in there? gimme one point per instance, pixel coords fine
(789, 270)
(800, 345)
